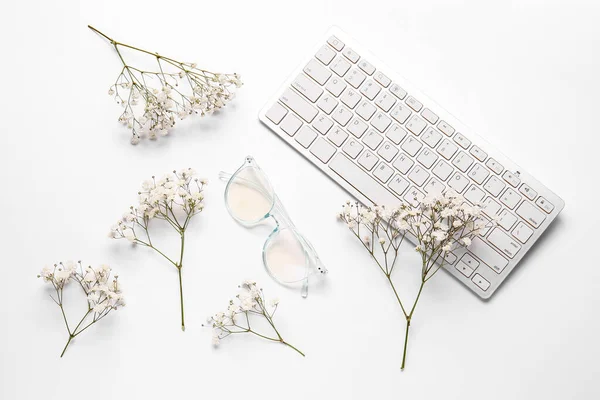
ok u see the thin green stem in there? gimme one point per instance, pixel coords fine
(289, 345)
(67, 345)
(405, 343)
(179, 267)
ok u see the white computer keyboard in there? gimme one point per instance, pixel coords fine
(384, 141)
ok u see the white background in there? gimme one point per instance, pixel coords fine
(524, 74)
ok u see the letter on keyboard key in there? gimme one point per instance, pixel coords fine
(362, 182)
(342, 116)
(414, 196)
(504, 243)
(365, 110)
(325, 54)
(418, 175)
(388, 151)
(368, 160)
(337, 136)
(372, 139)
(357, 127)
(411, 146)
(427, 157)
(306, 136)
(398, 184)
(403, 163)
(322, 124)
(383, 172)
(276, 113)
(474, 194)
(458, 182)
(298, 105)
(353, 148)
(327, 103)
(488, 255)
(350, 98)
(307, 87)
(442, 170)
(317, 71)
(396, 134)
(322, 150)
(336, 43)
(336, 86)
(381, 122)
(531, 214)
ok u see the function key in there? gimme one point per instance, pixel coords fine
(445, 128)
(494, 165)
(351, 55)
(382, 79)
(462, 141)
(511, 178)
(528, 191)
(336, 43)
(430, 116)
(544, 205)
(414, 103)
(398, 91)
(367, 67)
(478, 153)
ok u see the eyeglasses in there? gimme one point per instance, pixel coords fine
(288, 257)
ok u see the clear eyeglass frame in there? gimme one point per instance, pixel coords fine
(288, 256)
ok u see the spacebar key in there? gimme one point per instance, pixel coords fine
(362, 182)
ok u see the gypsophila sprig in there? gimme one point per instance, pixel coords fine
(103, 292)
(153, 100)
(248, 305)
(439, 224)
(175, 198)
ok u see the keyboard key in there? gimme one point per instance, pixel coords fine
(504, 243)
(449, 257)
(381, 122)
(411, 146)
(418, 175)
(414, 196)
(340, 66)
(474, 194)
(494, 186)
(430, 116)
(322, 124)
(434, 187)
(398, 91)
(447, 149)
(427, 157)
(490, 207)
(276, 113)
(323, 150)
(431, 137)
(458, 182)
(317, 71)
(364, 183)
(350, 98)
(506, 219)
(484, 224)
(416, 125)
(488, 255)
(414, 103)
(522, 232)
(531, 214)
(337, 136)
(336, 86)
(366, 67)
(355, 78)
(306, 136)
(307, 87)
(403, 163)
(398, 184)
(396, 134)
(353, 148)
(445, 128)
(300, 106)
(462, 161)
(528, 191)
(385, 101)
(370, 89)
(400, 113)
(494, 166)
(388, 151)
(462, 141)
(357, 127)
(383, 172)
(511, 178)
(336, 43)
(544, 205)
(351, 55)
(442, 170)
(480, 281)
(327, 103)
(291, 124)
(479, 173)
(372, 139)
(478, 153)
(470, 261)
(342, 115)
(510, 198)
(366, 110)
(464, 269)
(325, 54)
(368, 160)
(382, 79)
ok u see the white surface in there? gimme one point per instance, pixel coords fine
(525, 76)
